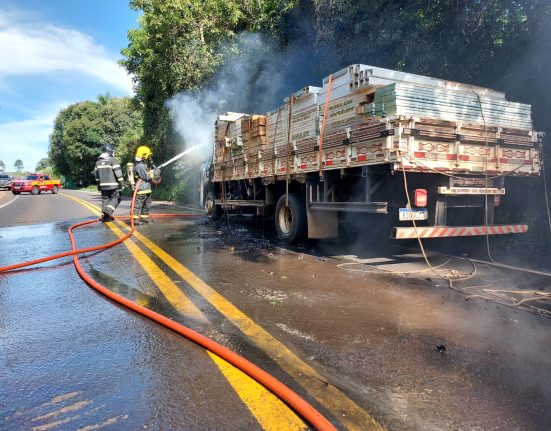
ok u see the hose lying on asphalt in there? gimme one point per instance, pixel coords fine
(299, 405)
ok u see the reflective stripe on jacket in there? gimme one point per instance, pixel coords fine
(140, 172)
(108, 173)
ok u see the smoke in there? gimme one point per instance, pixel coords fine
(193, 117)
(255, 79)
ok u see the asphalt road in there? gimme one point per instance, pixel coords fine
(360, 344)
(27, 209)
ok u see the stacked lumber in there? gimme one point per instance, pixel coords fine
(253, 132)
(452, 105)
(381, 116)
(220, 132)
(236, 136)
(253, 128)
(361, 76)
(302, 133)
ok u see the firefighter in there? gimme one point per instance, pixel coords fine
(143, 199)
(109, 177)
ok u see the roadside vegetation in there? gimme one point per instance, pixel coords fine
(81, 129)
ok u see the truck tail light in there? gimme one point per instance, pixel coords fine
(497, 200)
(420, 199)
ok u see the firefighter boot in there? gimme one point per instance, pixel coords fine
(107, 217)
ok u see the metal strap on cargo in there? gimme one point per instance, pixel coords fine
(470, 191)
(325, 110)
(447, 232)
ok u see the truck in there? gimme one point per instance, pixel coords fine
(35, 184)
(425, 157)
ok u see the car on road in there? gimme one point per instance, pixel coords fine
(35, 184)
(5, 181)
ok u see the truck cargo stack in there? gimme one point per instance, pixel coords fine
(456, 144)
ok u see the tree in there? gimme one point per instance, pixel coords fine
(2, 165)
(18, 165)
(179, 46)
(81, 129)
(42, 164)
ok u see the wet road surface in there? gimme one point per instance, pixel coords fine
(357, 344)
(27, 209)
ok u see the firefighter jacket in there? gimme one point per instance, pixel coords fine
(108, 173)
(140, 172)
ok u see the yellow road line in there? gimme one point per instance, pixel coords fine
(169, 289)
(270, 412)
(94, 209)
(342, 407)
(258, 399)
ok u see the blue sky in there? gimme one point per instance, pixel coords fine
(54, 53)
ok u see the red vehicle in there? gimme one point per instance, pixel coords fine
(35, 184)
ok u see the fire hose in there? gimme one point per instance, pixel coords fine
(293, 400)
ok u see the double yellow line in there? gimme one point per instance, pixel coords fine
(270, 412)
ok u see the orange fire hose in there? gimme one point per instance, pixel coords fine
(299, 405)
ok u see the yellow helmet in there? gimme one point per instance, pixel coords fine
(143, 152)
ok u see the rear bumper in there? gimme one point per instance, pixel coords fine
(448, 232)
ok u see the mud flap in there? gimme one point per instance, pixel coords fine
(322, 224)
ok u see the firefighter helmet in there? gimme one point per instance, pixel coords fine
(108, 148)
(143, 152)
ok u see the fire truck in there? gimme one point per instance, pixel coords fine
(429, 157)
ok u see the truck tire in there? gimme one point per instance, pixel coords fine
(213, 211)
(55, 189)
(35, 191)
(290, 220)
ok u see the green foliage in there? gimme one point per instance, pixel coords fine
(461, 40)
(185, 186)
(18, 165)
(179, 46)
(81, 129)
(174, 49)
(2, 165)
(42, 164)
(169, 192)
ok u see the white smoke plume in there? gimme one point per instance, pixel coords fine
(193, 117)
(254, 80)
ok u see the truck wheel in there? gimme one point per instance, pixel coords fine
(213, 211)
(290, 220)
(35, 191)
(54, 190)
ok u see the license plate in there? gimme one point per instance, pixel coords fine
(16, 187)
(418, 214)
